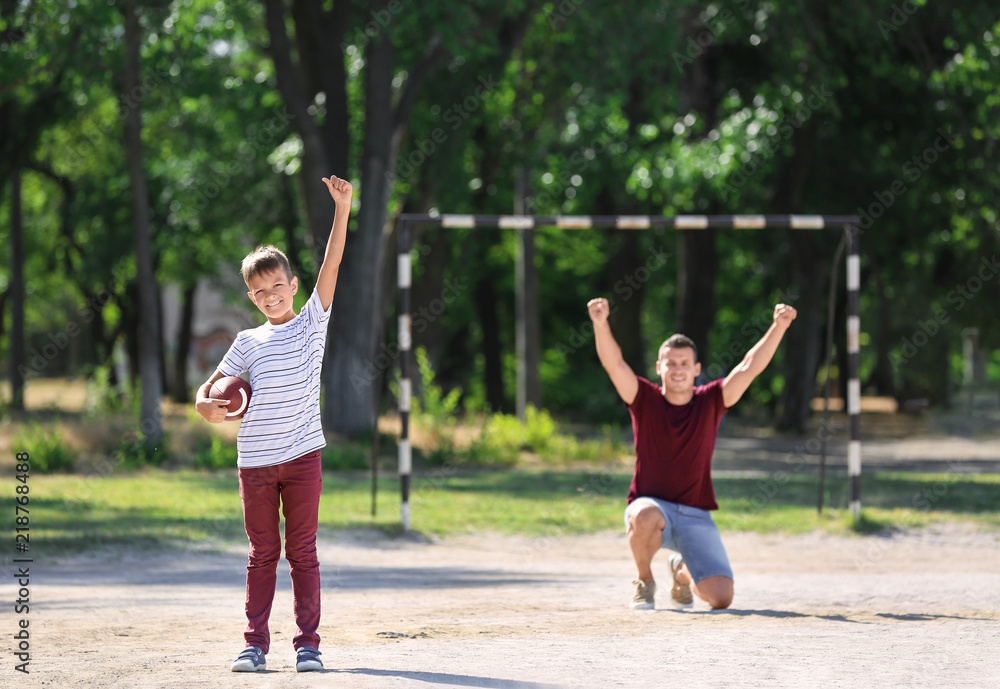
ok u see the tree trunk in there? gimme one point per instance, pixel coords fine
(528, 319)
(151, 422)
(696, 268)
(881, 378)
(180, 391)
(357, 321)
(803, 342)
(486, 309)
(17, 366)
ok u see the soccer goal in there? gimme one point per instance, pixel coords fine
(846, 223)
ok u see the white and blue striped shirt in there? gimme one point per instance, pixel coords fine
(284, 361)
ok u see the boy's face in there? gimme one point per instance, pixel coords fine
(677, 368)
(272, 293)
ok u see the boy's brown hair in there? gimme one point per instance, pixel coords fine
(264, 259)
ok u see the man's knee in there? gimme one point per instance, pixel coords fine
(716, 591)
(646, 519)
(722, 602)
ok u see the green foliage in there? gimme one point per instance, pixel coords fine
(132, 453)
(435, 412)
(345, 456)
(504, 438)
(650, 132)
(217, 454)
(46, 447)
(103, 397)
(434, 406)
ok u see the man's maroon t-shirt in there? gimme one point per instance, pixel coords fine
(674, 444)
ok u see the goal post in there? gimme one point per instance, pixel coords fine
(846, 223)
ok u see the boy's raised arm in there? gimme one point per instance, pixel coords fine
(326, 282)
(621, 374)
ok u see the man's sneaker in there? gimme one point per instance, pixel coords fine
(307, 659)
(644, 593)
(250, 660)
(680, 594)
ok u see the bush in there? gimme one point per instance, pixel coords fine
(47, 450)
(345, 457)
(102, 397)
(436, 413)
(132, 453)
(218, 454)
(504, 438)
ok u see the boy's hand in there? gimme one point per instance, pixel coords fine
(599, 310)
(340, 189)
(212, 409)
(784, 315)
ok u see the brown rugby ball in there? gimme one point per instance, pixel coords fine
(236, 391)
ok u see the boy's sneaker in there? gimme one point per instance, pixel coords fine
(644, 593)
(680, 594)
(307, 659)
(250, 660)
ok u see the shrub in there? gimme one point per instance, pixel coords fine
(435, 413)
(47, 449)
(132, 452)
(344, 457)
(218, 454)
(102, 397)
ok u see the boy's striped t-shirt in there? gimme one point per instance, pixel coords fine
(284, 361)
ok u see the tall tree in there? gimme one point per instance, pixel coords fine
(151, 420)
(17, 360)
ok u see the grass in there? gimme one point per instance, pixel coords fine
(73, 513)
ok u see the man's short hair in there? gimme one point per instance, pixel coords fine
(678, 341)
(264, 259)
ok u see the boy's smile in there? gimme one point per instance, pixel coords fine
(272, 293)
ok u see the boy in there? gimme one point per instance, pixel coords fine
(675, 424)
(280, 436)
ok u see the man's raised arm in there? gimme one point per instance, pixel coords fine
(610, 354)
(759, 356)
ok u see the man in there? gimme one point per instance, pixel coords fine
(675, 425)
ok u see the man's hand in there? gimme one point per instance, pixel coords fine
(784, 315)
(599, 310)
(214, 410)
(340, 189)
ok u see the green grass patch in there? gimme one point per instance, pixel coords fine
(787, 503)
(72, 513)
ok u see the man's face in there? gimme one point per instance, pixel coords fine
(677, 368)
(272, 293)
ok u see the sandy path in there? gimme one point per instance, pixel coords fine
(917, 609)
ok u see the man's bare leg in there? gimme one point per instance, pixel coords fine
(645, 535)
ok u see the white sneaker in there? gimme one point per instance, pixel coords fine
(307, 659)
(250, 660)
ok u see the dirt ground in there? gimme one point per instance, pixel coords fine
(915, 609)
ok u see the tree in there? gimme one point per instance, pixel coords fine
(151, 420)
